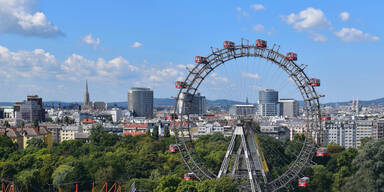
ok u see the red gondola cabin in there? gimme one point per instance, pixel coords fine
(261, 43)
(314, 82)
(171, 116)
(190, 176)
(173, 148)
(228, 44)
(303, 182)
(180, 84)
(325, 117)
(200, 59)
(321, 152)
(291, 56)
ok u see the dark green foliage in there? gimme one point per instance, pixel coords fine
(370, 168)
(35, 123)
(36, 142)
(168, 183)
(155, 132)
(166, 131)
(6, 124)
(224, 184)
(146, 160)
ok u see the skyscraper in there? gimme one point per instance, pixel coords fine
(268, 102)
(192, 104)
(140, 102)
(30, 110)
(289, 107)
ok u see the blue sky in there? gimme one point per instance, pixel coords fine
(50, 47)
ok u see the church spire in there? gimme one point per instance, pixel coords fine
(86, 95)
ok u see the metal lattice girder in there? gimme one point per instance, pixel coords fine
(311, 104)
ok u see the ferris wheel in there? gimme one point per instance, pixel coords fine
(255, 162)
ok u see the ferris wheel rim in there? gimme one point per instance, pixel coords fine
(219, 57)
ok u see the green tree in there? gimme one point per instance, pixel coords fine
(48, 119)
(35, 123)
(370, 168)
(6, 146)
(66, 120)
(100, 137)
(187, 186)
(365, 140)
(36, 142)
(6, 124)
(168, 183)
(334, 149)
(22, 124)
(155, 132)
(148, 131)
(321, 179)
(166, 131)
(27, 177)
(223, 184)
(61, 176)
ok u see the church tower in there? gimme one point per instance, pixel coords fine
(86, 94)
(87, 104)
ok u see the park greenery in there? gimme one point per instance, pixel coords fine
(145, 160)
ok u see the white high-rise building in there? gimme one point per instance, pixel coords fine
(188, 104)
(140, 102)
(289, 107)
(268, 102)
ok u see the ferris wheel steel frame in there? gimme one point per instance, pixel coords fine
(216, 58)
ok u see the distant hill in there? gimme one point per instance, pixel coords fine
(379, 101)
(218, 102)
(6, 103)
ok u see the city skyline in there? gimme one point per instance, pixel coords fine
(46, 52)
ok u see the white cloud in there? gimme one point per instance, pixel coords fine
(355, 35)
(88, 39)
(257, 88)
(309, 18)
(250, 75)
(18, 17)
(317, 37)
(242, 12)
(258, 28)
(216, 79)
(344, 16)
(257, 7)
(161, 75)
(76, 67)
(136, 45)
(26, 64)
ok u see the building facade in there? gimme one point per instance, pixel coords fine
(289, 108)
(140, 102)
(378, 131)
(268, 103)
(348, 133)
(30, 110)
(242, 110)
(189, 104)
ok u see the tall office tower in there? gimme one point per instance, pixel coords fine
(140, 102)
(31, 109)
(289, 107)
(192, 104)
(268, 102)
